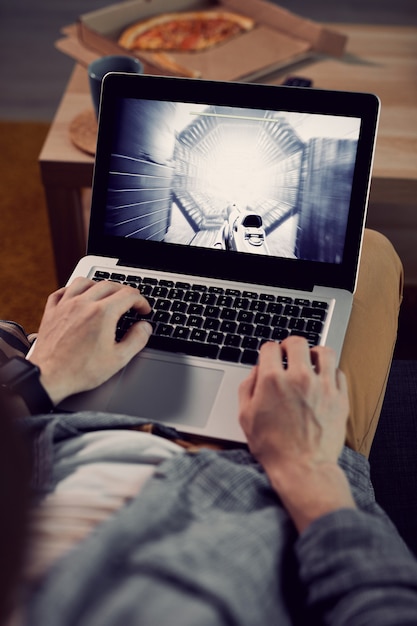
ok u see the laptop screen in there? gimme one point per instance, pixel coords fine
(253, 181)
(243, 182)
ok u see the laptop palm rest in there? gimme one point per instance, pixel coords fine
(167, 391)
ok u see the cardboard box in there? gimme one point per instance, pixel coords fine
(279, 38)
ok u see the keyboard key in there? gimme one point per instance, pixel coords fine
(198, 335)
(297, 323)
(279, 334)
(245, 329)
(245, 316)
(249, 357)
(212, 311)
(195, 320)
(241, 303)
(280, 321)
(230, 354)
(192, 296)
(180, 332)
(215, 337)
(274, 307)
(195, 309)
(176, 294)
(312, 338)
(160, 316)
(210, 323)
(263, 332)
(292, 311)
(224, 301)
(228, 314)
(179, 306)
(178, 319)
(194, 348)
(163, 305)
(134, 285)
(164, 330)
(159, 292)
(314, 326)
(320, 304)
(258, 305)
(208, 298)
(251, 343)
(263, 318)
(116, 276)
(228, 326)
(102, 275)
(145, 290)
(314, 313)
(232, 340)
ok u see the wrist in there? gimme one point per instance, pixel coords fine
(311, 490)
(22, 378)
(51, 380)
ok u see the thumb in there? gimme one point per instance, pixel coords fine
(136, 338)
(247, 386)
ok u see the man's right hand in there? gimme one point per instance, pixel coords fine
(294, 417)
(76, 348)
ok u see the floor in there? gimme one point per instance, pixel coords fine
(33, 73)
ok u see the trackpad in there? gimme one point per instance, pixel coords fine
(166, 392)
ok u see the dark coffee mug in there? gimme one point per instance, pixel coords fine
(102, 66)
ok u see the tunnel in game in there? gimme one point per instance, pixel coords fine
(179, 172)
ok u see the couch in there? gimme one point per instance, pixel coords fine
(393, 456)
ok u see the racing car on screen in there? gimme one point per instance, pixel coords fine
(245, 232)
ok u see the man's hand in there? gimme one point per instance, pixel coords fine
(294, 418)
(76, 348)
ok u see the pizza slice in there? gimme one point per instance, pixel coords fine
(185, 32)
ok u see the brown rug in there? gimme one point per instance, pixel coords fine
(27, 273)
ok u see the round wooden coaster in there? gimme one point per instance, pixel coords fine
(83, 131)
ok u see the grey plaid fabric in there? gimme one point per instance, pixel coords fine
(208, 542)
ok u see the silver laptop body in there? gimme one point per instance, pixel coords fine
(244, 190)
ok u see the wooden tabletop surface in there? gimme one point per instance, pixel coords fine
(378, 59)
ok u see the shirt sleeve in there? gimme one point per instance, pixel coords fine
(356, 570)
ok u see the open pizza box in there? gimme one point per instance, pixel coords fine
(279, 39)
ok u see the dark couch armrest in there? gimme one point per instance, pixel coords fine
(393, 456)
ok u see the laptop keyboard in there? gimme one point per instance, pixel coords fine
(216, 323)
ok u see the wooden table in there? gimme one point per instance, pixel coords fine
(379, 59)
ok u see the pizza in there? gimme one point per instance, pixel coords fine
(184, 32)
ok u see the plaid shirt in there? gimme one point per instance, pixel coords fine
(208, 542)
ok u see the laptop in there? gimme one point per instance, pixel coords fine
(238, 209)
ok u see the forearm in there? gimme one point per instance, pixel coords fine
(309, 492)
(357, 570)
